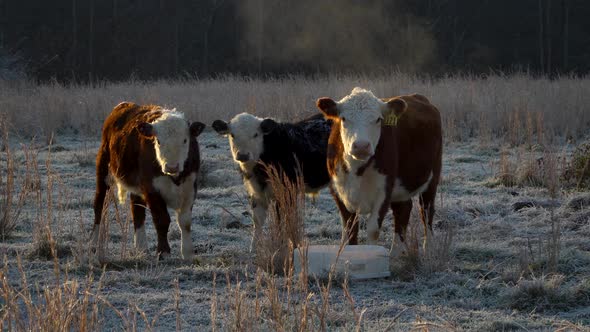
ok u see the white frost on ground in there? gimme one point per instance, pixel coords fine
(473, 293)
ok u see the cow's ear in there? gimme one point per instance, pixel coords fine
(267, 126)
(396, 106)
(146, 129)
(221, 127)
(196, 128)
(328, 107)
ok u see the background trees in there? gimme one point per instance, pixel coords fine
(82, 40)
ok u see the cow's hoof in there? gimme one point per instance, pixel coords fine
(397, 253)
(163, 255)
(189, 257)
(398, 250)
(373, 239)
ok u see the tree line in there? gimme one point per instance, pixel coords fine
(93, 40)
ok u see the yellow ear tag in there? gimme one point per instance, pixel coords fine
(391, 120)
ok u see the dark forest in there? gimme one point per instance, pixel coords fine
(92, 40)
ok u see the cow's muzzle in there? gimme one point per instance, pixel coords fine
(172, 169)
(361, 150)
(242, 157)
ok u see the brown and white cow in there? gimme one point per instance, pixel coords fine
(381, 153)
(153, 154)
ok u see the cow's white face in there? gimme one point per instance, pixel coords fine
(245, 137)
(359, 116)
(360, 128)
(171, 135)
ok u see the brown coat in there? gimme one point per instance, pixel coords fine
(408, 152)
(130, 159)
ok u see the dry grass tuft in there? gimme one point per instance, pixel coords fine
(86, 157)
(529, 168)
(577, 171)
(273, 303)
(437, 256)
(12, 201)
(547, 292)
(62, 305)
(530, 171)
(45, 243)
(506, 174)
(276, 298)
(285, 230)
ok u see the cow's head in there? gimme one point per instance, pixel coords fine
(360, 116)
(171, 135)
(246, 133)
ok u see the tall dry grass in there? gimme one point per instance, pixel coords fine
(420, 260)
(61, 301)
(490, 106)
(12, 199)
(276, 297)
(65, 304)
(286, 218)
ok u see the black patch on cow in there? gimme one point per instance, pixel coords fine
(291, 145)
(220, 127)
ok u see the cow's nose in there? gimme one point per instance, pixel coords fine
(362, 146)
(242, 157)
(361, 150)
(172, 169)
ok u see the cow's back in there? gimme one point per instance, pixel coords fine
(312, 156)
(304, 142)
(124, 142)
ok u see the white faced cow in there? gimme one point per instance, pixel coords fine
(287, 146)
(381, 153)
(153, 154)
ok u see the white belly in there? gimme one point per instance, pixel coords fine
(361, 194)
(176, 196)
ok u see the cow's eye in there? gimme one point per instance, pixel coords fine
(184, 141)
(231, 135)
(255, 135)
(343, 119)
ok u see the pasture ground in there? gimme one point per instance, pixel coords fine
(511, 250)
(496, 276)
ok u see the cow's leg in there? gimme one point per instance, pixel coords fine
(401, 218)
(350, 224)
(102, 186)
(427, 202)
(138, 216)
(183, 216)
(259, 211)
(161, 220)
(373, 228)
(375, 221)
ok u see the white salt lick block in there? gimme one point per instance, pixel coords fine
(358, 262)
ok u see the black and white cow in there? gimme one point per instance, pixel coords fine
(255, 141)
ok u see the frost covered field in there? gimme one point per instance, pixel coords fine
(511, 252)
